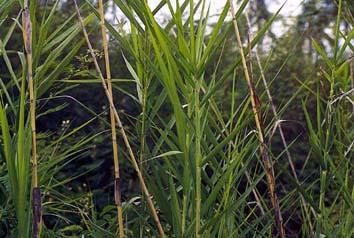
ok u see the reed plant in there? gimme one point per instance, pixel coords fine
(202, 142)
(182, 76)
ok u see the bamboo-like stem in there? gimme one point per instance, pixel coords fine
(264, 153)
(278, 126)
(120, 126)
(36, 194)
(117, 190)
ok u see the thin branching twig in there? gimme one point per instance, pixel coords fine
(120, 126)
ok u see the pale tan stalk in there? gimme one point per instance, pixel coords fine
(36, 194)
(117, 191)
(120, 126)
(278, 126)
(264, 153)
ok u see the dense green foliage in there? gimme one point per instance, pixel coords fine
(180, 90)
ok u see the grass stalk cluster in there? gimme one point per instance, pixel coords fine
(215, 156)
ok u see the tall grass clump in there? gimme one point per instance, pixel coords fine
(196, 132)
(196, 136)
(208, 134)
(330, 136)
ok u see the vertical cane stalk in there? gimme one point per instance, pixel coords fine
(117, 192)
(36, 194)
(264, 153)
(198, 161)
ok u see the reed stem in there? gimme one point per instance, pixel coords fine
(198, 158)
(117, 190)
(36, 194)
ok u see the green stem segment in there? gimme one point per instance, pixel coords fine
(198, 158)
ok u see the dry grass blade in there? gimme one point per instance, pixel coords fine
(120, 126)
(36, 194)
(117, 193)
(264, 153)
